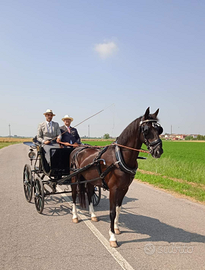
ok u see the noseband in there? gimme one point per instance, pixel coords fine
(145, 130)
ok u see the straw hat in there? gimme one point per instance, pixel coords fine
(67, 117)
(49, 111)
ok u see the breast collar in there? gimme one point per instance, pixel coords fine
(121, 162)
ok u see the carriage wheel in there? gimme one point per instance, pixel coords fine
(39, 195)
(27, 182)
(96, 196)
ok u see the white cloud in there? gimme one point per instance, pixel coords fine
(106, 49)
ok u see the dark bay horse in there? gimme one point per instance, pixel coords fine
(116, 166)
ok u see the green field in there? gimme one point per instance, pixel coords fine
(97, 143)
(6, 141)
(9, 141)
(4, 144)
(181, 169)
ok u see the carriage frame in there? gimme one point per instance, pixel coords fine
(40, 178)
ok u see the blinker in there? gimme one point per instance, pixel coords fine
(145, 128)
(158, 127)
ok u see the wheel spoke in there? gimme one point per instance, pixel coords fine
(39, 194)
(27, 182)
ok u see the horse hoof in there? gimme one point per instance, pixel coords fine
(117, 231)
(94, 219)
(75, 220)
(113, 244)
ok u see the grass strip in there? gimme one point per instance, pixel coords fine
(187, 170)
(169, 184)
(4, 144)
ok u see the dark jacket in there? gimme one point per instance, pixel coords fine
(72, 137)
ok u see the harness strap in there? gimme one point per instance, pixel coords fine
(78, 150)
(101, 153)
(121, 162)
(102, 175)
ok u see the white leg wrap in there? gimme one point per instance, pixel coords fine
(112, 236)
(91, 210)
(118, 209)
(74, 211)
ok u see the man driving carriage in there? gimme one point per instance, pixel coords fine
(69, 135)
(49, 134)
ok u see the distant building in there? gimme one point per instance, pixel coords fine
(194, 136)
(174, 137)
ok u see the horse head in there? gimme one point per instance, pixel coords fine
(150, 130)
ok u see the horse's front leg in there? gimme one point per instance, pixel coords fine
(74, 208)
(113, 240)
(120, 198)
(116, 221)
(90, 192)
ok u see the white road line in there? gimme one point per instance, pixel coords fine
(115, 254)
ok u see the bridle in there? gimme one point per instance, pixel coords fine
(145, 131)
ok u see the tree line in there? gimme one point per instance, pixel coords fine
(198, 138)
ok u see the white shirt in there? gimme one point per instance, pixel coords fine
(49, 126)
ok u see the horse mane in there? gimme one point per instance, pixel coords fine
(128, 131)
(131, 129)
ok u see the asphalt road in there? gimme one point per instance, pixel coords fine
(159, 231)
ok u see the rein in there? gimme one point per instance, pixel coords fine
(130, 148)
(120, 145)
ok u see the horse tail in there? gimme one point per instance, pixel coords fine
(81, 194)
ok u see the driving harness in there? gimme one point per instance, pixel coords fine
(119, 158)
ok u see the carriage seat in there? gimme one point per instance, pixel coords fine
(59, 162)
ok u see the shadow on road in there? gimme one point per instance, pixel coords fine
(156, 230)
(55, 206)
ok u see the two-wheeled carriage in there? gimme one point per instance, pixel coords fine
(40, 179)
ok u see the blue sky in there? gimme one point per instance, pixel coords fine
(79, 57)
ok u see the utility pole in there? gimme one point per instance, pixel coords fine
(171, 129)
(9, 130)
(88, 131)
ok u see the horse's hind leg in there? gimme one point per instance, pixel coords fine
(74, 210)
(90, 192)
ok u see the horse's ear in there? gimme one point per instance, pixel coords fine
(146, 115)
(156, 113)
